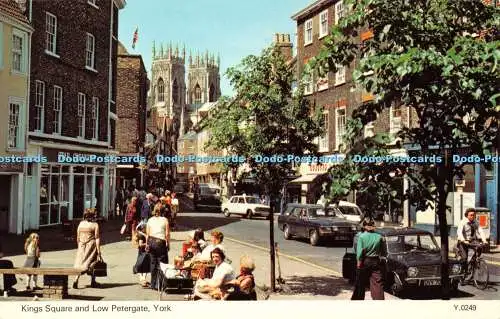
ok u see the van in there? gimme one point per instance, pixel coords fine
(208, 196)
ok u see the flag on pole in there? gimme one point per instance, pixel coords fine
(136, 37)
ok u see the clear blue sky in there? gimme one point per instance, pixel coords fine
(233, 28)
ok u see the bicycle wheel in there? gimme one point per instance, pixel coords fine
(481, 275)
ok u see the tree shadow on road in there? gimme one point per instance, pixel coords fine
(315, 285)
(53, 238)
(186, 222)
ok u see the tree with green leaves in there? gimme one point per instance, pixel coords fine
(265, 118)
(439, 59)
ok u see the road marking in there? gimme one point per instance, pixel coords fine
(328, 270)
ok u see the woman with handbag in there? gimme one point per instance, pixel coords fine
(89, 247)
(158, 242)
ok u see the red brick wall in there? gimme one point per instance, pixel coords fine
(74, 19)
(131, 101)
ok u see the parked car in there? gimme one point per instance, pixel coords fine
(247, 206)
(315, 223)
(180, 188)
(411, 258)
(208, 196)
(351, 211)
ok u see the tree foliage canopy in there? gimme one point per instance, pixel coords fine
(439, 58)
(265, 117)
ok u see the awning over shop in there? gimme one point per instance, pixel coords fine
(125, 166)
(306, 179)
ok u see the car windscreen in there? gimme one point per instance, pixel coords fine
(209, 191)
(320, 212)
(411, 243)
(350, 210)
(252, 200)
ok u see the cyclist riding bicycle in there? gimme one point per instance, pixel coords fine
(469, 233)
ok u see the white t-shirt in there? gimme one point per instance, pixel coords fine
(158, 227)
(207, 251)
(224, 271)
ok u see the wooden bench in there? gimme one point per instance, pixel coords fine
(55, 280)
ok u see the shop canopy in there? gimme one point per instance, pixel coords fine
(306, 179)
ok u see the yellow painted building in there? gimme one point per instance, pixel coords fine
(15, 39)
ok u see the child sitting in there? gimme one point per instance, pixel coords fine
(176, 270)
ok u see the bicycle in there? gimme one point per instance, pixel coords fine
(477, 269)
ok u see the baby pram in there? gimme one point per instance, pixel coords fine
(187, 282)
(179, 283)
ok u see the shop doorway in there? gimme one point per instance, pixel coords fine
(78, 202)
(4, 203)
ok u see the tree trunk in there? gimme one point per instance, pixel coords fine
(271, 243)
(443, 232)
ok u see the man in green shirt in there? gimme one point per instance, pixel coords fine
(368, 263)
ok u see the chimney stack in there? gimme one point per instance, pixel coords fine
(282, 41)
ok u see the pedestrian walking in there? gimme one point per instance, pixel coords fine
(158, 243)
(147, 207)
(368, 262)
(359, 284)
(89, 246)
(175, 209)
(32, 249)
(143, 263)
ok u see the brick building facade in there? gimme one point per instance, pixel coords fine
(72, 109)
(132, 88)
(336, 92)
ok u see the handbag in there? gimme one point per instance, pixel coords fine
(99, 268)
(123, 229)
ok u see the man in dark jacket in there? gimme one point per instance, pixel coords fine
(8, 280)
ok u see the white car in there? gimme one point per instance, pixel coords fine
(351, 211)
(247, 206)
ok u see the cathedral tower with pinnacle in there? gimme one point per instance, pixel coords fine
(172, 98)
(203, 79)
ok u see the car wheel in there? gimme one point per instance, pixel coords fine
(314, 237)
(249, 214)
(286, 232)
(227, 213)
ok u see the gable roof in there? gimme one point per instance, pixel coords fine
(12, 9)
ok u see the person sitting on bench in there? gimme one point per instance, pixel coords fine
(223, 273)
(244, 284)
(8, 280)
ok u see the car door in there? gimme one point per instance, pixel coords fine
(300, 221)
(230, 204)
(292, 220)
(240, 206)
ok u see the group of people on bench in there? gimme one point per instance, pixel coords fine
(215, 277)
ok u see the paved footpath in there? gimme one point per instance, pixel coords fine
(302, 281)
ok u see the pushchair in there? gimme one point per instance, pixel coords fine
(179, 283)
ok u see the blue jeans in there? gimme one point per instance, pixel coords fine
(159, 253)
